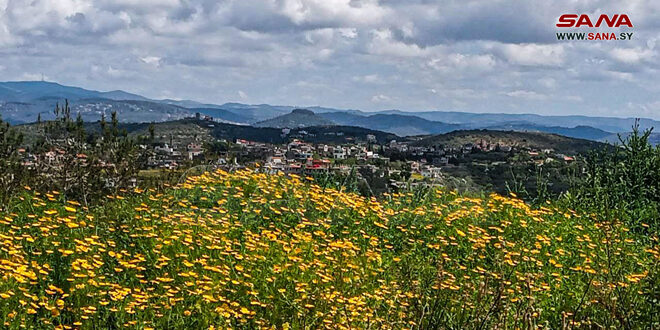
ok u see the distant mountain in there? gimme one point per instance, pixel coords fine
(128, 110)
(25, 91)
(402, 125)
(483, 120)
(23, 101)
(258, 112)
(119, 95)
(538, 140)
(189, 104)
(296, 119)
(654, 138)
(579, 132)
(22, 112)
(92, 109)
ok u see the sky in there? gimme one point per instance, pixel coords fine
(411, 55)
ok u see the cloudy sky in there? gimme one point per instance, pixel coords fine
(477, 56)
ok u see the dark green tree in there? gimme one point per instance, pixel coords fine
(152, 132)
(11, 170)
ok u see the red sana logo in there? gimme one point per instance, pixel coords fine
(575, 20)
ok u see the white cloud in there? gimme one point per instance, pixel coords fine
(350, 33)
(648, 109)
(153, 60)
(574, 98)
(463, 62)
(337, 53)
(6, 38)
(368, 79)
(525, 94)
(380, 98)
(334, 12)
(625, 76)
(383, 43)
(548, 82)
(33, 76)
(533, 54)
(632, 55)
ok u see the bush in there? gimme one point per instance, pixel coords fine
(623, 184)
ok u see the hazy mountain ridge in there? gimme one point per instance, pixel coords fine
(579, 132)
(481, 120)
(654, 138)
(25, 91)
(24, 101)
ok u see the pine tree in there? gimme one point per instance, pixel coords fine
(115, 125)
(57, 111)
(80, 129)
(152, 132)
(67, 110)
(103, 124)
(79, 121)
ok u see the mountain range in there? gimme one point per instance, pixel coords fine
(24, 101)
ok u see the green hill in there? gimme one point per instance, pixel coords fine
(208, 130)
(535, 140)
(296, 119)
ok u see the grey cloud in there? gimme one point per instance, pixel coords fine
(487, 56)
(512, 22)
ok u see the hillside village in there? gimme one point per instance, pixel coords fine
(395, 162)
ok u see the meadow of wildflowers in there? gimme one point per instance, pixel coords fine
(251, 250)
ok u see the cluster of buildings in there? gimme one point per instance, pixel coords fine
(443, 155)
(299, 157)
(172, 156)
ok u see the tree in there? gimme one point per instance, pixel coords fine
(67, 110)
(152, 132)
(103, 124)
(11, 169)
